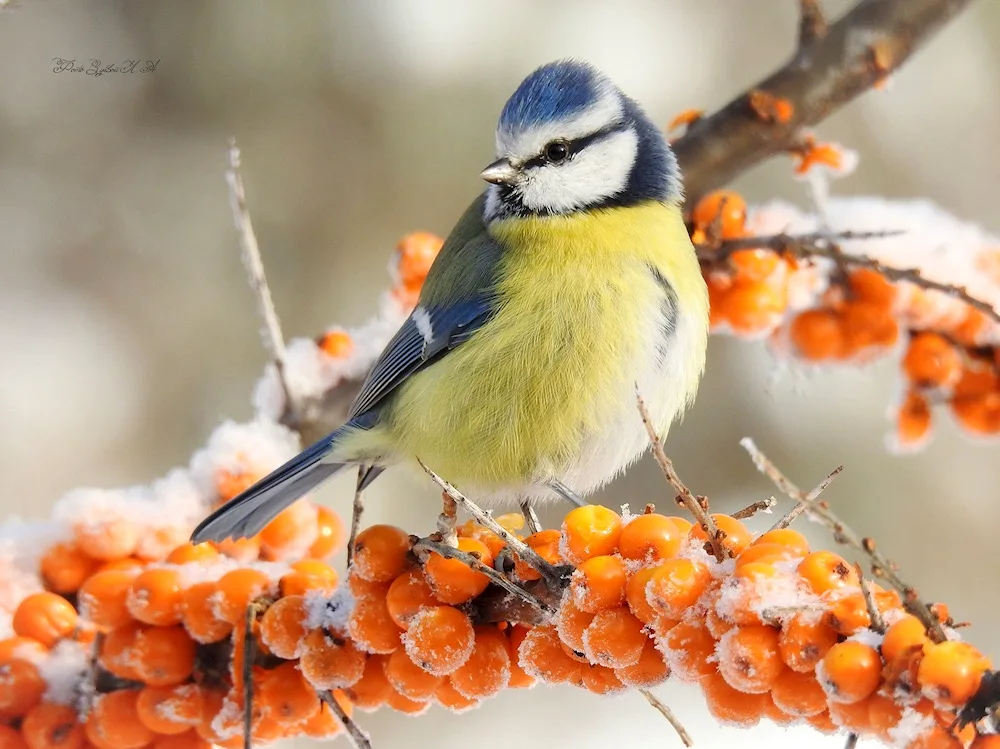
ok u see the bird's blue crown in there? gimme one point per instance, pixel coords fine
(554, 91)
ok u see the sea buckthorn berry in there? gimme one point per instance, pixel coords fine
(155, 597)
(649, 671)
(229, 484)
(978, 414)
(21, 687)
(286, 696)
(741, 598)
(571, 623)
(236, 590)
(884, 714)
(689, 650)
(519, 678)
(65, 567)
(676, 586)
(650, 539)
(452, 580)
(872, 286)
(380, 553)
(822, 722)
(330, 535)
(407, 595)
(753, 306)
(851, 671)
(755, 264)
(798, 694)
(329, 661)
(684, 525)
(188, 552)
(590, 531)
(615, 638)
(409, 679)
(170, 710)
(818, 335)
(440, 639)
(825, 571)
(198, 614)
(542, 656)
(283, 626)
(372, 690)
(601, 680)
(114, 721)
(494, 543)
(544, 543)
(403, 704)
(242, 550)
(164, 656)
(51, 726)
(726, 209)
(103, 599)
(986, 741)
(767, 553)
(931, 360)
(486, 672)
(325, 724)
(416, 252)
(950, 672)
(599, 584)
(913, 420)
(787, 537)
(778, 716)
(635, 595)
(852, 717)
(730, 706)
(866, 325)
(749, 659)
(336, 343)
(735, 539)
(292, 532)
(110, 539)
(449, 697)
(804, 642)
(11, 738)
(25, 648)
(118, 654)
(308, 575)
(45, 617)
(370, 626)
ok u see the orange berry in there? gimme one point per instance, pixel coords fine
(978, 414)
(25, 648)
(755, 264)
(542, 656)
(155, 597)
(519, 678)
(544, 543)
(866, 324)
(114, 721)
(403, 704)
(849, 613)
(753, 306)
(600, 680)
(822, 722)
(409, 679)
(286, 696)
(590, 531)
(330, 535)
(818, 335)
(744, 600)
(798, 694)
(913, 421)
(778, 716)
(598, 584)
(65, 567)
(372, 690)
(336, 344)
(198, 614)
(187, 740)
(725, 209)
(164, 656)
(330, 662)
(635, 595)
(852, 717)
(407, 595)
(103, 599)
(416, 252)
(767, 553)
(447, 696)
(324, 724)
(884, 714)
(188, 552)
(308, 575)
(229, 484)
(118, 651)
(689, 650)
(684, 525)
(291, 533)
(650, 539)
(825, 571)
(112, 539)
(440, 639)
(51, 726)
(170, 710)
(730, 706)
(452, 580)
(950, 672)
(872, 286)
(243, 550)
(676, 586)
(735, 539)
(21, 687)
(804, 642)
(283, 626)
(236, 590)
(571, 623)
(787, 537)
(649, 671)
(370, 626)
(749, 659)
(11, 738)
(380, 553)
(45, 617)
(494, 543)
(851, 671)
(931, 360)
(986, 741)
(487, 669)
(615, 638)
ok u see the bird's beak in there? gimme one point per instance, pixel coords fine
(500, 172)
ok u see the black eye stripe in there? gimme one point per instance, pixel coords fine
(575, 146)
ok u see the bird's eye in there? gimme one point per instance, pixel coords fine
(556, 151)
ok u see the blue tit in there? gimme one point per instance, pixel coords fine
(565, 285)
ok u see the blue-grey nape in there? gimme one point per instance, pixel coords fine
(554, 91)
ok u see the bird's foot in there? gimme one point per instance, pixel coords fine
(565, 492)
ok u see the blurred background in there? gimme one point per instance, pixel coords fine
(128, 331)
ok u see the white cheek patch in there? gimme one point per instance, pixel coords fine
(423, 322)
(596, 173)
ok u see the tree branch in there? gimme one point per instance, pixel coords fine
(868, 43)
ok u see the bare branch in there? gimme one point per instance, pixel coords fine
(447, 521)
(878, 623)
(761, 505)
(812, 22)
(863, 47)
(357, 510)
(667, 713)
(358, 737)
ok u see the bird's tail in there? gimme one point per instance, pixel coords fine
(247, 514)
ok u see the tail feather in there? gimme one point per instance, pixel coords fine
(247, 514)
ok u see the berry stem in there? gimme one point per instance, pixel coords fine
(355, 734)
(667, 713)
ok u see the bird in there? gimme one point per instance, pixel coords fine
(569, 284)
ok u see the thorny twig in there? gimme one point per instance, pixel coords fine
(812, 22)
(802, 499)
(249, 653)
(274, 340)
(877, 622)
(880, 566)
(447, 521)
(761, 505)
(684, 494)
(357, 510)
(357, 736)
(667, 713)
(426, 545)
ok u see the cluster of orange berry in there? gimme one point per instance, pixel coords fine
(824, 314)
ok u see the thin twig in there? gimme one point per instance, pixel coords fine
(843, 534)
(249, 653)
(877, 622)
(357, 510)
(274, 340)
(530, 516)
(851, 742)
(667, 713)
(356, 735)
(812, 22)
(447, 521)
(683, 493)
(529, 556)
(427, 545)
(789, 517)
(761, 505)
